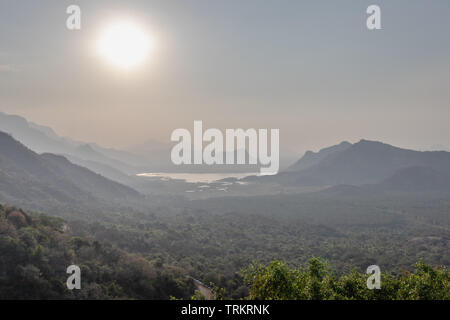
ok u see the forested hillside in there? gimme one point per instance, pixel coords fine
(36, 251)
(218, 238)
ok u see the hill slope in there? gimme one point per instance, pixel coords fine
(44, 140)
(47, 180)
(36, 252)
(365, 162)
(312, 158)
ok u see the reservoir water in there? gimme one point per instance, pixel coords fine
(197, 177)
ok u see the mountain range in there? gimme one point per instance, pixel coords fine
(367, 162)
(39, 167)
(119, 165)
(43, 139)
(46, 181)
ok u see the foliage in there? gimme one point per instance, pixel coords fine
(214, 243)
(277, 281)
(213, 240)
(35, 253)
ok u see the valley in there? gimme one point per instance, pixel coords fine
(352, 205)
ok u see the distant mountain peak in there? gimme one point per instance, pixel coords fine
(370, 142)
(311, 158)
(375, 144)
(365, 162)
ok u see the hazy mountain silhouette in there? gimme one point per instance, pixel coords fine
(38, 138)
(47, 179)
(151, 156)
(103, 169)
(312, 158)
(424, 180)
(365, 162)
(43, 139)
(415, 179)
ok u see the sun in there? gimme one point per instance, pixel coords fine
(124, 45)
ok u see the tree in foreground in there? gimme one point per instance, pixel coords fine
(316, 282)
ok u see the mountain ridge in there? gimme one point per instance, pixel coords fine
(42, 139)
(50, 180)
(364, 162)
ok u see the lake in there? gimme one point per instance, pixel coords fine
(197, 177)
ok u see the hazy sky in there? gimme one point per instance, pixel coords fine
(310, 68)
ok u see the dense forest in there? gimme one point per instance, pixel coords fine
(214, 240)
(162, 256)
(35, 252)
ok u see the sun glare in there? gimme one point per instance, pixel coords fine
(124, 45)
